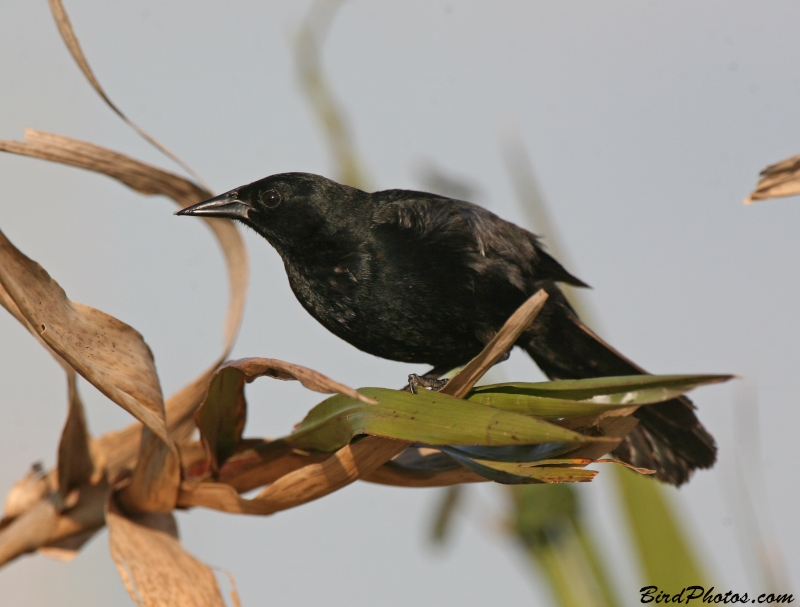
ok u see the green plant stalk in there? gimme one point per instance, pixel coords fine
(666, 558)
(566, 565)
(595, 563)
(664, 552)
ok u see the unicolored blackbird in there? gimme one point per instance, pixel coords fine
(421, 278)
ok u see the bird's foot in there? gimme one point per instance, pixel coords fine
(420, 381)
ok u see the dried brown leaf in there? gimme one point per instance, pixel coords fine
(87, 513)
(311, 482)
(120, 450)
(29, 530)
(122, 447)
(780, 179)
(154, 567)
(612, 427)
(112, 356)
(624, 465)
(156, 479)
(517, 323)
(8, 304)
(250, 469)
(63, 524)
(108, 353)
(253, 368)
(26, 492)
(405, 477)
(144, 178)
(68, 35)
(76, 466)
(149, 180)
(65, 550)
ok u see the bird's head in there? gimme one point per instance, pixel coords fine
(287, 209)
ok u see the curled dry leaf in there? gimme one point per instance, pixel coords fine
(26, 492)
(780, 179)
(120, 449)
(108, 353)
(8, 304)
(144, 178)
(153, 565)
(397, 476)
(28, 531)
(309, 483)
(149, 180)
(222, 415)
(156, 479)
(112, 356)
(76, 466)
(252, 368)
(68, 35)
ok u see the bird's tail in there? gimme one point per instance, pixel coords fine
(668, 438)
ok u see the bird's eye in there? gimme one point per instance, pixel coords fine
(271, 198)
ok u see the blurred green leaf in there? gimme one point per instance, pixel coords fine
(443, 519)
(332, 116)
(666, 558)
(541, 511)
(547, 521)
(428, 417)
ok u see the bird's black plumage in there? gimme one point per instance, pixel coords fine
(421, 278)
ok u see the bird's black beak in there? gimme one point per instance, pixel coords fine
(224, 205)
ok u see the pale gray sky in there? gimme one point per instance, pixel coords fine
(647, 123)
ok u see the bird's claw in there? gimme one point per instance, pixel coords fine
(416, 381)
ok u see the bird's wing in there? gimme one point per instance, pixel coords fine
(491, 244)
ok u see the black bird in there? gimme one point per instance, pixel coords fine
(421, 278)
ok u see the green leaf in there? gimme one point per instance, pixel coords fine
(579, 397)
(222, 415)
(665, 553)
(514, 473)
(428, 417)
(518, 401)
(515, 453)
